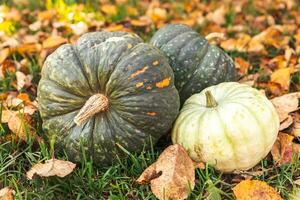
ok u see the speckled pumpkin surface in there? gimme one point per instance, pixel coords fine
(196, 63)
(234, 133)
(134, 78)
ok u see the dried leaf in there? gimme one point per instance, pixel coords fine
(242, 65)
(52, 167)
(255, 190)
(284, 150)
(28, 48)
(239, 44)
(177, 174)
(157, 14)
(286, 123)
(296, 125)
(217, 16)
(23, 80)
(54, 42)
(6, 194)
(4, 53)
(6, 115)
(109, 9)
(286, 104)
(282, 76)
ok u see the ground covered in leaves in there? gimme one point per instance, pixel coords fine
(263, 37)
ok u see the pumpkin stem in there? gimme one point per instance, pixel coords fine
(210, 100)
(96, 103)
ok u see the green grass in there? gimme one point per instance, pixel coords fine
(116, 182)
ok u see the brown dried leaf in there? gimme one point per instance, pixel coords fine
(217, 16)
(23, 80)
(6, 194)
(54, 42)
(6, 115)
(286, 104)
(177, 174)
(296, 125)
(286, 123)
(255, 190)
(284, 149)
(239, 44)
(52, 167)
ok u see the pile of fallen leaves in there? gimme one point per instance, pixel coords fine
(263, 37)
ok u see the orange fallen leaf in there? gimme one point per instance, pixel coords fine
(28, 48)
(172, 176)
(6, 115)
(52, 167)
(6, 194)
(157, 14)
(109, 9)
(239, 44)
(255, 190)
(284, 149)
(242, 65)
(54, 42)
(282, 76)
(4, 53)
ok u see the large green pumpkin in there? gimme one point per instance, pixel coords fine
(230, 125)
(196, 63)
(107, 90)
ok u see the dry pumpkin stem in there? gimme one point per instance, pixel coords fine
(95, 104)
(210, 100)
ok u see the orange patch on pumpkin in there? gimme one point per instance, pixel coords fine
(164, 83)
(155, 62)
(138, 72)
(151, 113)
(139, 84)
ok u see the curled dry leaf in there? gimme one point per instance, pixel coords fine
(284, 149)
(52, 167)
(286, 123)
(255, 190)
(6, 194)
(53, 42)
(296, 125)
(23, 80)
(286, 104)
(172, 176)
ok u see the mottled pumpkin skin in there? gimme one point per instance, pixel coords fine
(135, 77)
(235, 135)
(196, 63)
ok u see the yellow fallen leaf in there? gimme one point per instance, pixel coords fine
(282, 76)
(54, 42)
(255, 190)
(172, 176)
(52, 167)
(28, 48)
(6, 194)
(242, 65)
(239, 44)
(157, 14)
(109, 9)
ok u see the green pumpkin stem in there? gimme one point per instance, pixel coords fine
(95, 104)
(210, 100)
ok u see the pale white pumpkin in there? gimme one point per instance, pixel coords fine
(230, 125)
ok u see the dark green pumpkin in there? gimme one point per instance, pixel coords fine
(196, 63)
(134, 77)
